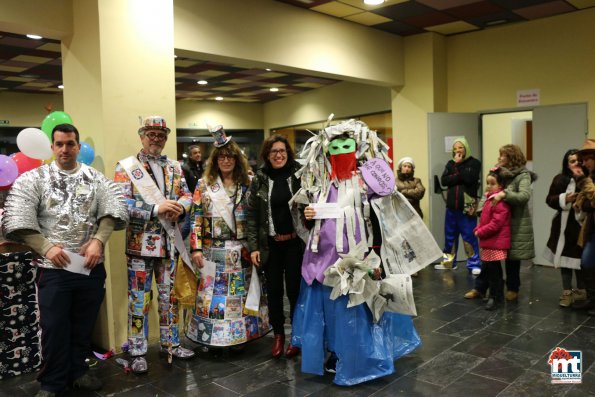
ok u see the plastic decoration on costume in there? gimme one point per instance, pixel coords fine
(153, 123)
(53, 119)
(332, 317)
(219, 135)
(8, 171)
(34, 143)
(86, 154)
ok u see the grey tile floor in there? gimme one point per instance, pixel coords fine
(466, 351)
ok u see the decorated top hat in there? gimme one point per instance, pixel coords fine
(221, 139)
(153, 123)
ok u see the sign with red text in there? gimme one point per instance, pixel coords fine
(528, 97)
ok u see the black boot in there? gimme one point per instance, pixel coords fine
(589, 303)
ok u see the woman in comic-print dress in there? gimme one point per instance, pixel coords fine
(219, 248)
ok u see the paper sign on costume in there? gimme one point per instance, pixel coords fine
(326, 210)
(378, 176)
(77, 264)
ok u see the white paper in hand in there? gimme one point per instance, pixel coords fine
(77, 264)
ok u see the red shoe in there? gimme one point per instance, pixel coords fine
(292, 351)
(278, 345)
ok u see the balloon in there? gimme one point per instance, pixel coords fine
(8, 170)
(34, 143)
(25, 163)
(87, 154)
(53, 119)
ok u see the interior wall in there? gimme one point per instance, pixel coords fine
(343, 99)
(555, 55)
(193, 114)
(46, 18)
(27, 110)
(282, 36)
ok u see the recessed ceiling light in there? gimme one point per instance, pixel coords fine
(34, 37)
(61, 86)
(219, 98)
(175, 56)
(274, 89)
(373, 2)
(202, 82)
(269, 70)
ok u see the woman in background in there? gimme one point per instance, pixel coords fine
(410, 186)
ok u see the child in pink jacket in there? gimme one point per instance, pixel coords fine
(493, 232)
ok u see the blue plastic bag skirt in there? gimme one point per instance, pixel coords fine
(365, 350)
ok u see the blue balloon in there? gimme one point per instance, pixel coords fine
(87, 154)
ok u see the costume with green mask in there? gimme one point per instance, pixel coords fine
(342, 151)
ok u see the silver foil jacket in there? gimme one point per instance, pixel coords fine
(64, 207)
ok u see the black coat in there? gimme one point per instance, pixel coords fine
(461, 178)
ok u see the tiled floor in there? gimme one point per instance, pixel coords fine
(467, 351)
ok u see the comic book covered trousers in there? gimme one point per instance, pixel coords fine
(219, 317)
(19, 317)
(365, 350)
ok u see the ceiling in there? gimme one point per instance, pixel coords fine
(34, 66)
(447, 17)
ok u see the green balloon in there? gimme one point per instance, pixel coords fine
(53, 119)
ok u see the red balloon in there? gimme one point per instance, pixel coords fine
(25, 163)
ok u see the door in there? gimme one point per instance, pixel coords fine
(442, 128)
(555, 130)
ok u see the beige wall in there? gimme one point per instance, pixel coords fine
(27, 110)
(46, 18)
(192, 114)
(287, 38)
(343, 99)
(556, 55)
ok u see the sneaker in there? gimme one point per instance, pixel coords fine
(179, 352)
(473, 294)
(45, 393)
(331, 364)
(567, 298)
(476, 271)
(87, 382)
(139, 365)
(511, 295)
(579, 294)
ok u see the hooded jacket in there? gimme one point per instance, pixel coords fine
(461, 178)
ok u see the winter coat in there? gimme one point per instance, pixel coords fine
(412, 189)
(493, 229)
(462, 179)
(518, 194)
(258, 210)
(556, 199)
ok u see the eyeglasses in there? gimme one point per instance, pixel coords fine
(275, 152)
(223, 157)
(156, 136)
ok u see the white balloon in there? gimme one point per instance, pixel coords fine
(34, 143)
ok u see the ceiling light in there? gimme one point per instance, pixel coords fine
(274, 89)
(34, 37)
(219, 98)
(373, 2)
(175, 56)
(269, 70)
(202, 82)
(61, 86)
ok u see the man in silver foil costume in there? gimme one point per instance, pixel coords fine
(60, 210)
(158, 198)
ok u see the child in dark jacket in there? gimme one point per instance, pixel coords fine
(493, 232)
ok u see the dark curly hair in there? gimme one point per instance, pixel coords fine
(267, 145)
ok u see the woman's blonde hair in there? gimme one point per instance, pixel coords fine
(515, 156)
(240, 171)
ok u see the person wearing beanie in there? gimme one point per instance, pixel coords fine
(408, 185)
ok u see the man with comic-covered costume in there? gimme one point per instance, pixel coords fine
(62, 210)
(349, 297)
(157, 197)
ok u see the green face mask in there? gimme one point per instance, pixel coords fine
(342, 146)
